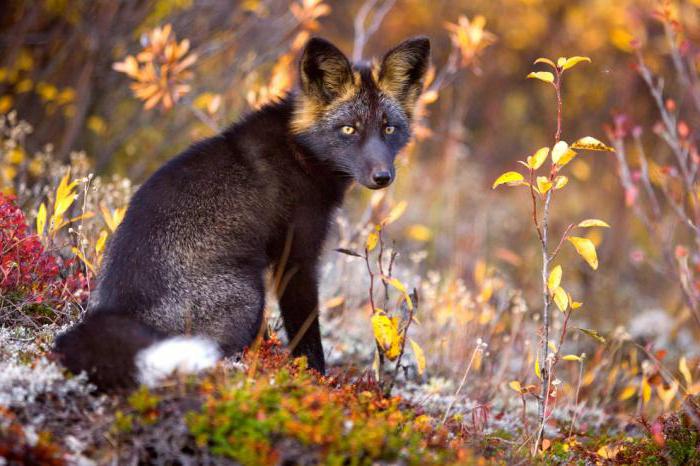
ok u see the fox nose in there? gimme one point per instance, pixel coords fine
(381, 178)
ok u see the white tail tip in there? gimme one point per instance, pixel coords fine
(187, 355)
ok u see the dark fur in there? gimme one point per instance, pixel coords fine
(192, 250)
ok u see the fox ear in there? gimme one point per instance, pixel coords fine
(325, 72)
(402, 70)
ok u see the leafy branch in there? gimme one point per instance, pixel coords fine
(541, 189)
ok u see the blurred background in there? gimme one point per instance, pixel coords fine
(115, 88)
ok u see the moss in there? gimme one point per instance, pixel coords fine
(681, 441)
(254, 420)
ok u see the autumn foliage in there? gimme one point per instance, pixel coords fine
(31, 275)
(552, 323)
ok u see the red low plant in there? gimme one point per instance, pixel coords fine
(28, 273)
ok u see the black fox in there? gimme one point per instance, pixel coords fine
(190, 256)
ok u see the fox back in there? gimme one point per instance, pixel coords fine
(182, 282)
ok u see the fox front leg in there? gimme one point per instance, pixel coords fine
(299, 307)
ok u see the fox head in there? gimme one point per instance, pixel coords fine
(357, 118)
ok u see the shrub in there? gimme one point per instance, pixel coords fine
(30, 277)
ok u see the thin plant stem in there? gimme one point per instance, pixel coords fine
(546, 298)
(461, 383)
(578, 390)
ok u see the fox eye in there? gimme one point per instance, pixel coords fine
(390, 129)
(347, 129)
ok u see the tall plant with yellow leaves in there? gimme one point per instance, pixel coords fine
(542, 189)
(390, 318)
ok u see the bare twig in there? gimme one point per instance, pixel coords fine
(477, 349)
(362, 33)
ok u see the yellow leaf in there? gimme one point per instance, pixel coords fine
(334, 302)
(15, 156)
(590, 143)
(573, 61)
(97, 125)
(560, 181)
(112, 219)
(554, 279)
(683, 368)
(100, 245)
(375, 365)
(64, 196)
(80, 255)
(395, 350)
(62, 205)
(628, 392)
(575, 304)
(567, 157)
(384, 331)
(546, 61)
(372, 240)
(429, 97)
(559, 150)
(593, 222)
(543, 184)
(480, 272)
(515, 385)
(572, 357)
(561, 61)
(609, 452)
(561, 299)
(419, 354)
(536, 160)
(419, 233)
(41, 220)
(552, 346)
(545, 76)
(667, 395)
(646, 390)
(396, 212)
(5, 103)
(586, 249)
(396, 283)
(538, 372)
(486, 291)
(592, 333)
(508, 177)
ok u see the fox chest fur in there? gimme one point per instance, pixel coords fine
(191, 254)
